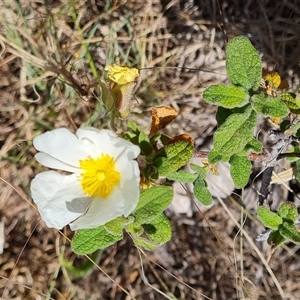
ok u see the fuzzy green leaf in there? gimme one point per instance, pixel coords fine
(288, 211)
(253, 146)
(228, 96)
(240, 169)
(134, 229)
(152, 202)
(269, 218)
(290, 232)
(116, 226)
(144, 243)
(275, 239)
(201, 171)
(201, 192)
(155, 234)
(243, 63)
(223, 113)
(232, 136)
(173, 156)
(182, 176)
(89, 240)
(292, 102)
(269, 106)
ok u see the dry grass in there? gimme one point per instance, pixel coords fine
(52, 54)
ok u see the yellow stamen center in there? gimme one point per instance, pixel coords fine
(99, 176)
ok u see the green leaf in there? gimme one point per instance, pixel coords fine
(293, 149)
(201, 192)
(152, 202)
(145, 144)
(89, 240)
(292, 103)
(240, 169)
(116, 226)
(223, 113)
(214, 156)
(269, 106)
(201, 171)
(135, 229)
(228, 96)
(253, 146)
(182, 176)
(143, 138)
(275, 239)
(133, 126)
(232, 136)
(290, 232)
(243, 63)
(288, 211)
(173, 157)
(84, 269)
(144, 243)
(155, 234)
(269, 218)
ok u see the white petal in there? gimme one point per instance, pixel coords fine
(103, 140)
(131, 189)
(50, 162)
(132, 150)
(129, 185)
(51, 191)
(130, 182)
(106, 141)
(101, 211)
(61, 144)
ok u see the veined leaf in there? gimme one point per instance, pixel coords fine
(173, 157)
(292, 102)
(152, 202)
(155, 234)
(232, 136)
(89, 240)
(201, 192)
(269, 106)
(253, 146)
(223, 113)
(290, 232)
(228, 96)
(269, 218)
(243, 63)
(275, 239)
(240, 169)
(288, 210)
(182, 176)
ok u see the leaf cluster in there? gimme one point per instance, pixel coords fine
(147, 225)
(240, 103)
(281, 223)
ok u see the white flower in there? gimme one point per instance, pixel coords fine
(104, 183)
